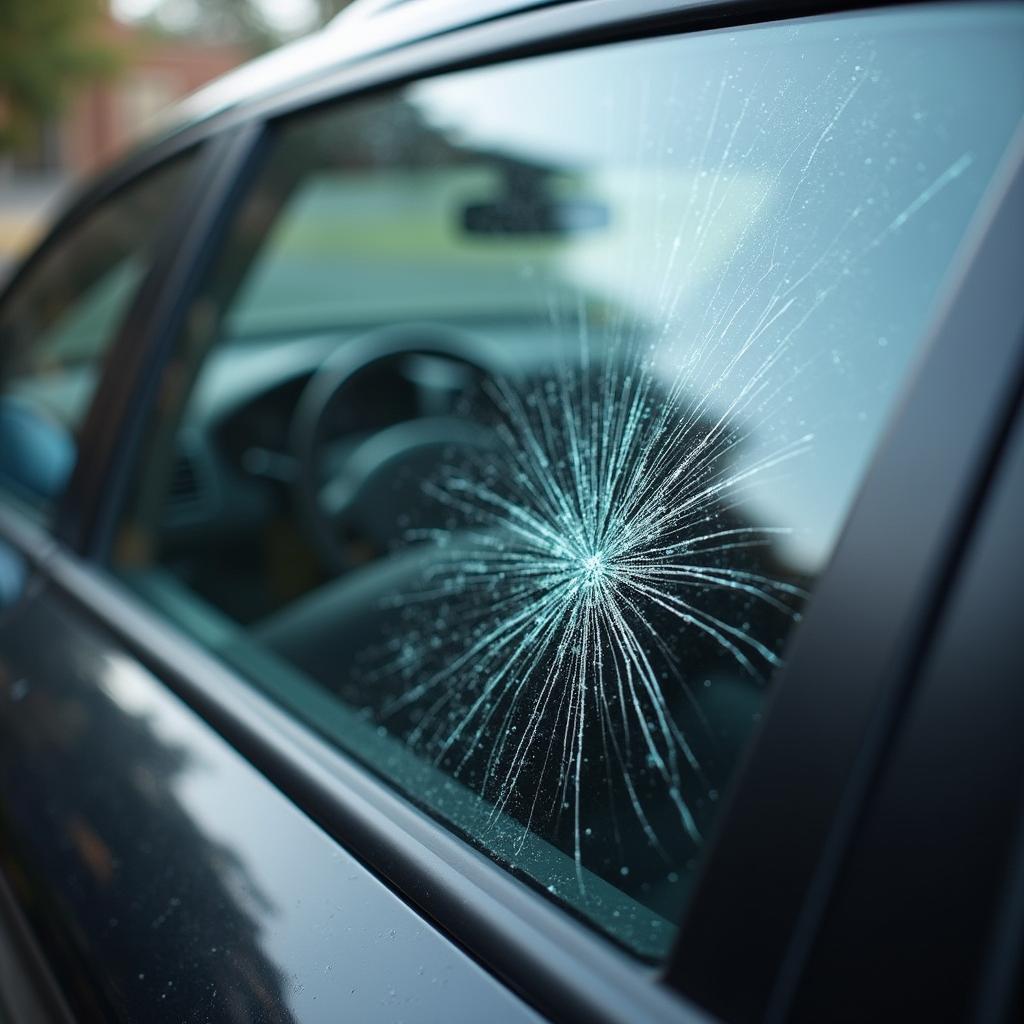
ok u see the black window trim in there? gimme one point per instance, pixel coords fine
(131, 350)
(925, 929)
(509, 928)
(113, 427)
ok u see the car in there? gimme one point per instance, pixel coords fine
(511, 511)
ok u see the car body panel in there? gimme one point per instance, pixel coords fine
(569, 973)
(171, 879)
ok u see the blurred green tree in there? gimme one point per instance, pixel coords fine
(47, 48)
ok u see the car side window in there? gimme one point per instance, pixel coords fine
(56, 325)
(523, 407)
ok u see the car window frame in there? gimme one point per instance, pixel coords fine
(77, 209)
(564, 969)
(124, 350)
(112, 426)
(965, 717)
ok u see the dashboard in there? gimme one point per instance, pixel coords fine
(230, 508)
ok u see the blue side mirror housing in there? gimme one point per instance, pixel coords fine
(37, 452)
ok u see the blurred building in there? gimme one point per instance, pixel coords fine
(102, 120)
(108, 116)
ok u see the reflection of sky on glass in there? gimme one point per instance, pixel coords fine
(853, 167)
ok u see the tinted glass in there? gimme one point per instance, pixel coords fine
(529, 401)
(56, 325)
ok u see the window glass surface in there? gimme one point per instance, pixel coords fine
(56, 325)
(523, 407)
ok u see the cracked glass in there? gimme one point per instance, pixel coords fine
(523, 407)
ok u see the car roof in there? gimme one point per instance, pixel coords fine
(364, 28)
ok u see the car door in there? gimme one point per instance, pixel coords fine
(121, 898)
(483, 459)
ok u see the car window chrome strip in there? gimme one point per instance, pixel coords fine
(766, 879)
(133, 367)
(554, 963)
(18, 528)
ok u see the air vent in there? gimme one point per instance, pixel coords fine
(184, 485)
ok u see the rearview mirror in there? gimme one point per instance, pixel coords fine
(528, 215)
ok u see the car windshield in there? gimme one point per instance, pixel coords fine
(529, 402)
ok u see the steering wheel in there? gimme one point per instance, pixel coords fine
(323, 506)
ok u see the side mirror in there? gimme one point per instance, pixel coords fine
(37, 453)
